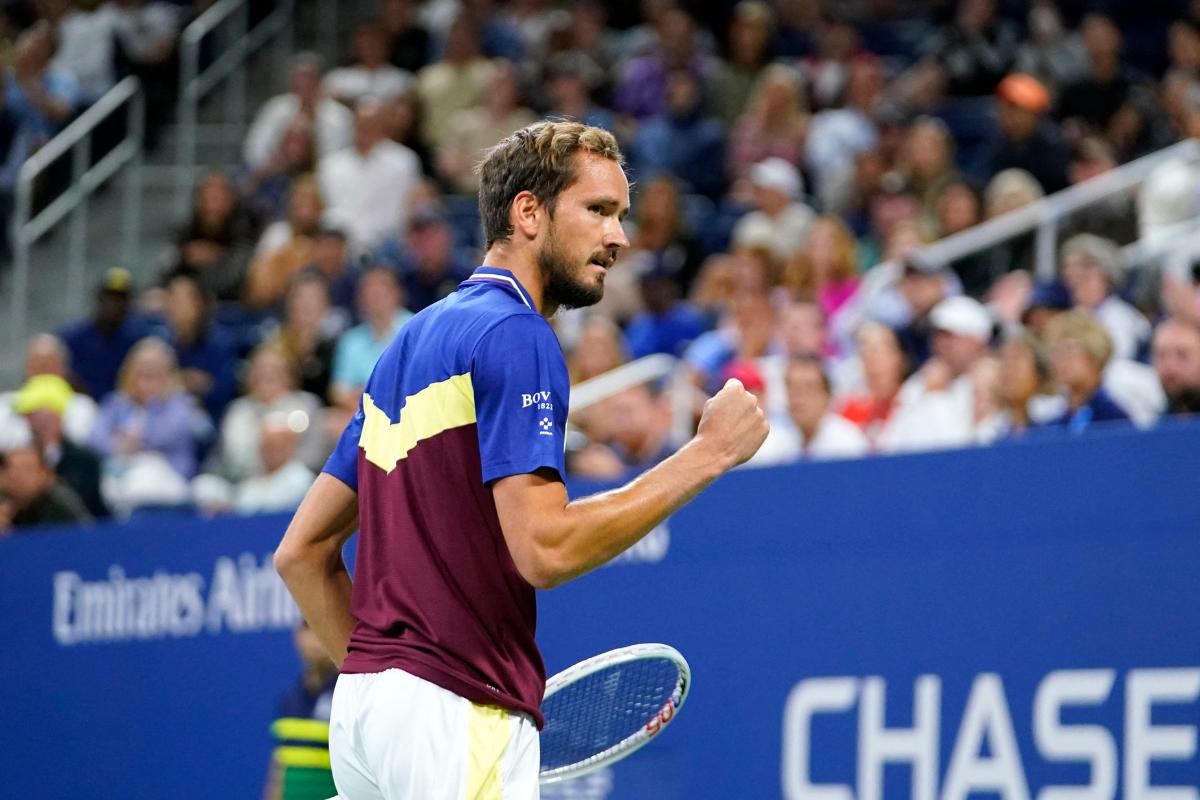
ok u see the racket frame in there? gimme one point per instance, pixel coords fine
(651, 728)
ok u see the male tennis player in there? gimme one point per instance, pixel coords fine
(452, 471)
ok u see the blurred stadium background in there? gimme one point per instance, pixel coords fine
(952, 247)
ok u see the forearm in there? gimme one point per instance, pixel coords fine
(595, 529)
(309, 559)
(322, 592)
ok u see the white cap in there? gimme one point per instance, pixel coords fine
(963, 316)
(778, 174)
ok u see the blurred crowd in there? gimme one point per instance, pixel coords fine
(790, 158)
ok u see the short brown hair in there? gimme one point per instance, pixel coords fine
(538, 159)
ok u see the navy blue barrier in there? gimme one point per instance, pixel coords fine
(987, 623)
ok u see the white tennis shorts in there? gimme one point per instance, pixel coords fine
(394, 736)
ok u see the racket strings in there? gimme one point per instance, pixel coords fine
(604, 709)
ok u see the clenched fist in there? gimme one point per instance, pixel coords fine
(732, 424)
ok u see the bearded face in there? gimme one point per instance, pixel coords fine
(570, 280)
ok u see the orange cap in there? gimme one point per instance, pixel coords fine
(1024, 91)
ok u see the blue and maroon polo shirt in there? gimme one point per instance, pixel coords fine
(472, 389)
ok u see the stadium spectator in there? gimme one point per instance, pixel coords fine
(145, 431)
(682, 140)
(46, 355)
(381, 307)
(99, 345)
(217, 240)
(430, 263)
(816, 432)
(283, 479)
(1091, 104)
(749, 332)
(780, 221)
(837, 135)
(271, 389)
(976, 50)
(285, 246)
(825, 266)
(32, 495)
(637, 427)
(86, 45)
(41, 97)
(332, 123)
(1093, 270)
(884, 369)
(600, 348)
(306, 334)
(265, 189)
(473, 131)
(571, 81)
(936, 405)
(773, 123)
(1079, 349)
(147, 32)
(1024, 138)
(409, 44)
(44, 402)
(331, 258)
(667, 324)
(1051, 54)
(734, 78)
(309, 698)
(457, 81)
(1176, 356)
(368, 187)
(661, 228)
(205, 352)
(370, 76)
(927, 163)
(1114, 216)
(921, 285)
(644, 86)
(1027, 396)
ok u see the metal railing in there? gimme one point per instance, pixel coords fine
(1045, 214)
(658, 367)
(232, 19)
(76, 138)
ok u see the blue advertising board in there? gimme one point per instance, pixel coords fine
(1016, 622)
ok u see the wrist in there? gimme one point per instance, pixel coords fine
(706, 458)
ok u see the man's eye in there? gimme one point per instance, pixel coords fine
(596, 209)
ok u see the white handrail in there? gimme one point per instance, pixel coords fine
(594, 390)
(1044, 215)
(195, 84)
(75, 138)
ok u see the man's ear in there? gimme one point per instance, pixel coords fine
(527, 214)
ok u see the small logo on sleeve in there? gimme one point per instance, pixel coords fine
(545, 427)
(539, 399)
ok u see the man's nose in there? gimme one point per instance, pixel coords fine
(614, 234)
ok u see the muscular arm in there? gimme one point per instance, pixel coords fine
(552, 540)
(309, 559)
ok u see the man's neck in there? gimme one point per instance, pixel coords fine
(525, 269)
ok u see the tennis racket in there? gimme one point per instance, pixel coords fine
(607, 707)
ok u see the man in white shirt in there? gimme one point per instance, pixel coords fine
(367, 187)
(937, 404)
(780, 222)
(333, 123)
(815, 432)
(370, 75)
(85, 45)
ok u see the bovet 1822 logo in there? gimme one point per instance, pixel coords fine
(539, 399)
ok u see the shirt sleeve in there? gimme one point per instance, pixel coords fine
(343, 462)
(521, 394)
